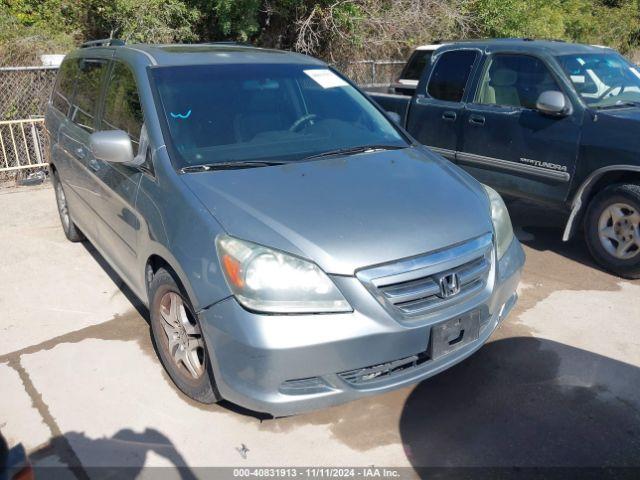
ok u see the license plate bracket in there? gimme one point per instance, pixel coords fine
(453, 334)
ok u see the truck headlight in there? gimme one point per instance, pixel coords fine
(501, 221)
(267, 280)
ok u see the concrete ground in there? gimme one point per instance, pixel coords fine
(80, 384)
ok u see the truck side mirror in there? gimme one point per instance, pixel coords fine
(554, 103)
(112, 146)
(395, 117)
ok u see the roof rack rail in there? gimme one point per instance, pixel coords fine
(105, 42)
(440, 41)
(227, 42)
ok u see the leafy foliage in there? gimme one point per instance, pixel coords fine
(153, 21)
(338, 30)
(611, 22)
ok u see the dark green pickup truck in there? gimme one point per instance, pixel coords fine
(549, 121)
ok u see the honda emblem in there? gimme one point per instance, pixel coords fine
(449, 285)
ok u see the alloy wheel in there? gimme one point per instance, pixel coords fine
(619, 230)
(184, 337)
(62, 205)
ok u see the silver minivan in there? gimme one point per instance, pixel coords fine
(296, 249)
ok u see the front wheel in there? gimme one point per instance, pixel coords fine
(72, 232)
(612, 229)
(179, 340)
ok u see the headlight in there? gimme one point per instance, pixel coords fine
(501, 221)
(267, 280)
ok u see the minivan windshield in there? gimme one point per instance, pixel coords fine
(265, 112)
(603, 80)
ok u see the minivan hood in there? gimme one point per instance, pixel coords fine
(349, 212)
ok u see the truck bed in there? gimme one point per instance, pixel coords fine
(392, 103)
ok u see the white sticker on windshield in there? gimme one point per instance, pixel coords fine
(325, 78)
(635, 71)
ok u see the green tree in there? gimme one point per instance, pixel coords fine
(610, 22)
(152, 21)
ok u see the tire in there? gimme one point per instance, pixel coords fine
(612, 229)
(182, 325)
(71, 231)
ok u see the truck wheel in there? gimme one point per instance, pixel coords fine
(179, 341)
(72, 232)
(612, 229)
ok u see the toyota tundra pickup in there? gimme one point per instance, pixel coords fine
(553, 122)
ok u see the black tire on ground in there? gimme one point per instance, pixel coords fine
(202, 389)
(71, 231)
(626, 194)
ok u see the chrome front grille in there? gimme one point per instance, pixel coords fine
(415, 286)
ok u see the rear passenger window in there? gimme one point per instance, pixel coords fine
(85, 100)
(61, 98)
(451, 74)
(122, 110)
(416, 64)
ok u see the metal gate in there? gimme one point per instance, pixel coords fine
(22, 144)
(24, 92)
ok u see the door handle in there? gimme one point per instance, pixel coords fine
(449, 116)
(94, 165)
(477, 119)
(80, 153)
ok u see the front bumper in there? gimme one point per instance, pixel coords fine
(288, 364)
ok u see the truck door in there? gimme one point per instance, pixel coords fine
(436, 110)
(507, 143)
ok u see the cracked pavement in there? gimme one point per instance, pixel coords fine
(81, 387)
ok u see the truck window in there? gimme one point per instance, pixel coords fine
(416, 65)
(122, 110)
(61, 98)
(451, 74)
(515, 81)
(87, 93)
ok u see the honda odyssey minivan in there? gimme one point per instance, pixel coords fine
(296, 249)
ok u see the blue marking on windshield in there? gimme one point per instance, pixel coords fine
(183, 116)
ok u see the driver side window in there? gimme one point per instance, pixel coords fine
(515, 81)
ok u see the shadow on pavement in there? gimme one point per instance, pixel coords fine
(115, 278)
(122, 456)
(526, 402)
(541, 229)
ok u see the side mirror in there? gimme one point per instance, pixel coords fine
(553, 102)
(112, 146)
(395, 117)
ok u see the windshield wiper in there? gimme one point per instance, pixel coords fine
(355, 150)
(230, 165)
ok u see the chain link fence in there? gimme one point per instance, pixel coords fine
(372, 73)
(24, 92)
